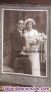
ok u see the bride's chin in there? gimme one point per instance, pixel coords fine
(29, 29)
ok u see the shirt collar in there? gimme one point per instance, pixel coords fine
(20, 31)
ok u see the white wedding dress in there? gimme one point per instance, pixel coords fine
(33, 56)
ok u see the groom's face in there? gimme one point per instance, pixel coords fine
(20, 24)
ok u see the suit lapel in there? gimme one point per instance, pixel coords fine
(18, 36)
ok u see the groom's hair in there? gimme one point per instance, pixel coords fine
(18, 20)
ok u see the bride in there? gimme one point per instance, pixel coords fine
(32, 46)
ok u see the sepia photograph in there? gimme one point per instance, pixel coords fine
(24, 39)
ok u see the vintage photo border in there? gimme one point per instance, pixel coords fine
(48, 50)
(2, 39)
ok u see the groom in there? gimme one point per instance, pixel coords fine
(17, 43)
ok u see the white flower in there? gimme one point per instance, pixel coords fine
(34, 38)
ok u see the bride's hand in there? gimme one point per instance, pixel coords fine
(24, 48)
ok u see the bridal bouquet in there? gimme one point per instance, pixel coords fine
(35, 40)
(38, 38)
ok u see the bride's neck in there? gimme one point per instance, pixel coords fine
(29, 30)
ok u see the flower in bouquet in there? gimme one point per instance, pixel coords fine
(42, 37)
(34, 40)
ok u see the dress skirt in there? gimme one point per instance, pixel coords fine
(34, 57)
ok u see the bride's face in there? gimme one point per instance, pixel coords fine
(29, 25)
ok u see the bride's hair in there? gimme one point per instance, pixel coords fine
(29, 19)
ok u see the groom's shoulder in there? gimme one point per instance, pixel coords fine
(13, 32)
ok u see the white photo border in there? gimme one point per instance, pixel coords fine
(47, 28)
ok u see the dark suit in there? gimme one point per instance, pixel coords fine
(17, 43)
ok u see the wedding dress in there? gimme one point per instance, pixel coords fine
(34, 55)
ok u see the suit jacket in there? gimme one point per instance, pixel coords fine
(17, 43)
